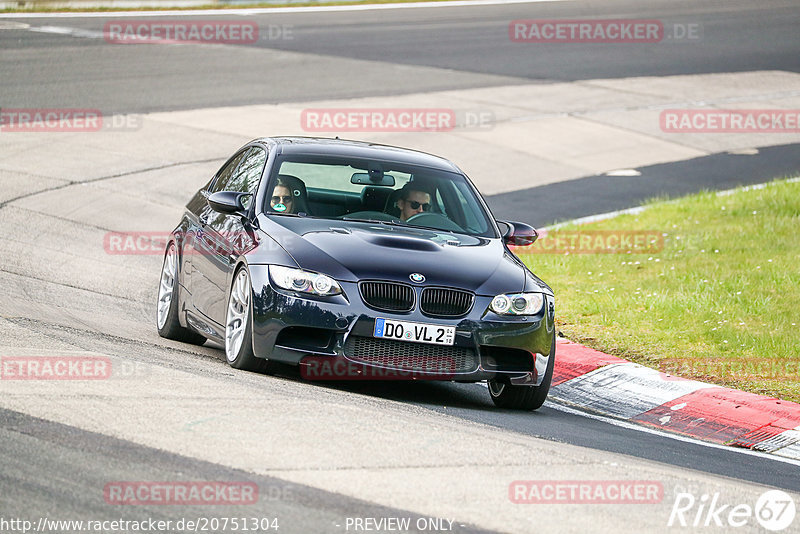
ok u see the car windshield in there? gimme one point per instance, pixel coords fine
(376, 191)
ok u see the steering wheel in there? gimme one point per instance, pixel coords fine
(434, 220)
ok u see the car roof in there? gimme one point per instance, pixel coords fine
(360, 149)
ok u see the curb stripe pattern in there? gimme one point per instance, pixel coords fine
(618, 388)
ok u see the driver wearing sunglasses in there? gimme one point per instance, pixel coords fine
(281, 199)
(412, 201)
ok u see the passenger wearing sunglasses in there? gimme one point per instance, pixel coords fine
(282, 200)
(412, 201)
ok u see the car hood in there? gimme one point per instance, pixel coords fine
(353, 251)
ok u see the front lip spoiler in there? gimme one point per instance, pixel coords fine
(528, 379)
(363, 370)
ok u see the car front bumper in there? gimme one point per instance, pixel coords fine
(335, 334)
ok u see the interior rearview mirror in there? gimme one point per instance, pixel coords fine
(372, 178)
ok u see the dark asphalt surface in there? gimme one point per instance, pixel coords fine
(58, 472)
(472, 403)
(48, 466)
(381, 53)
(592, 195)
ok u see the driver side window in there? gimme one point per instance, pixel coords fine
(225, 174)
(242, 173)
(247, 175)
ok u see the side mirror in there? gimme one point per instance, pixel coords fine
(229, 202)
(519, 234)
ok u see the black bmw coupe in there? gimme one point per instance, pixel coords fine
(358, 261)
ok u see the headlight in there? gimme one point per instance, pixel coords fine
(517, 304)
(304, 281)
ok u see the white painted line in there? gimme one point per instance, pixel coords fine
(13, 26)
(755, 187)
(271, 10)
(555, 402)
(624, 172)
(744, 151)
(74, 32)
(661, 433)
(640, 209)
(792, 451)
(598, 217)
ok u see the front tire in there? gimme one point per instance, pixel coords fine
(524, 397)
(238, 328)
(167, 322)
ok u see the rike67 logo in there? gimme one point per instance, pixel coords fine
(774, 510)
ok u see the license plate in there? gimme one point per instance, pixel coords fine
(416, 332)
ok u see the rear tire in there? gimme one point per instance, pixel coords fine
(524, 397)
(167, 322)
(238, 326)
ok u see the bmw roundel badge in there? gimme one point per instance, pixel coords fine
(416, 277)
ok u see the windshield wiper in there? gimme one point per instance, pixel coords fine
(379, 221)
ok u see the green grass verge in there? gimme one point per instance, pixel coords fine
(720, 302)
